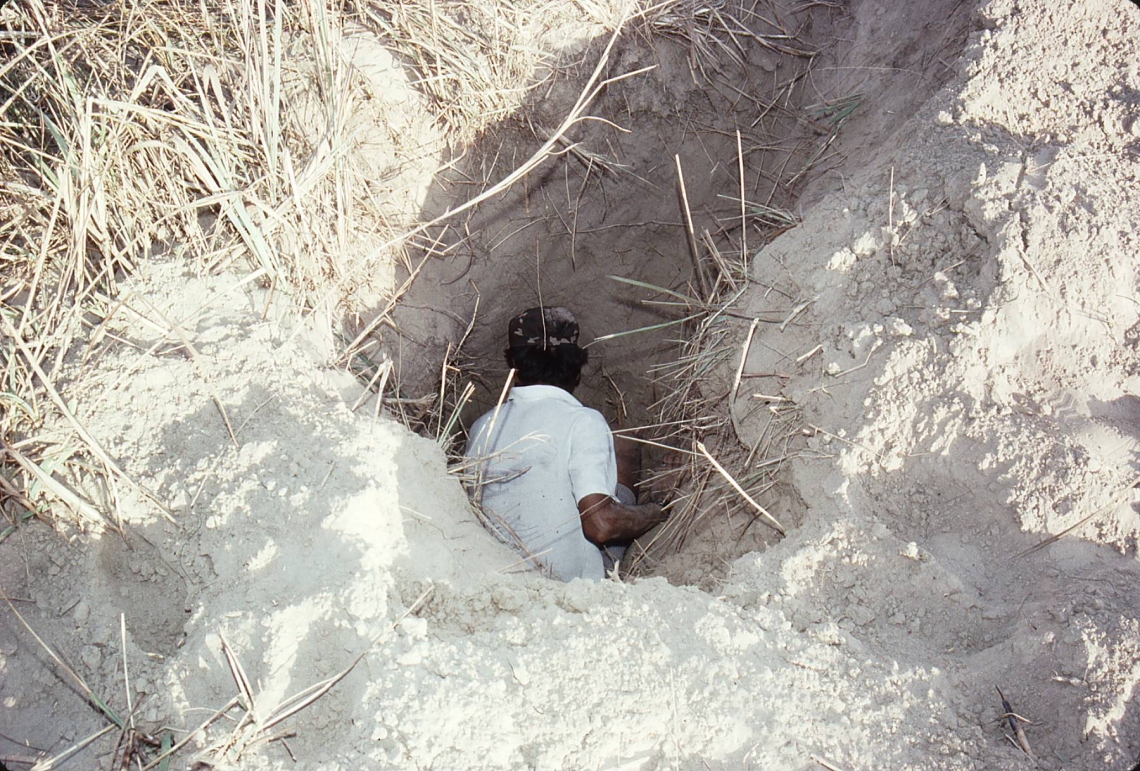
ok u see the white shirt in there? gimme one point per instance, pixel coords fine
(547, 453)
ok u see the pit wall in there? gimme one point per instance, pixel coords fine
(607, 204)
(966, 366)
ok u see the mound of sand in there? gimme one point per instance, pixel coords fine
(971, 388)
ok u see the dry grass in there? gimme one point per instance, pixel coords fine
(472, 59)
(226, 135)
(696, 406)
(131, 130)
(720, 30)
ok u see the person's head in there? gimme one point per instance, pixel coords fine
(543, 348)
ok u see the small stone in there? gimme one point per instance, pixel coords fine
(91, 657)
(82, 613)
(411, 658)
(180, 501)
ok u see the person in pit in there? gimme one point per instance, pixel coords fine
(552, 476)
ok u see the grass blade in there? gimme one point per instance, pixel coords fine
(114, 718)
(50, 763)
(239, 676)
(650, 328)
(651, 287)
(736, 486)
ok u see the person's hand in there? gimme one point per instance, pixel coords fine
(655, 512)
(661, 485)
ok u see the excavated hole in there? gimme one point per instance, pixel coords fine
(609, 206)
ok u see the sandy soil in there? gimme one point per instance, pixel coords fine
(968, 280)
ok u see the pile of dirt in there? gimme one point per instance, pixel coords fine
(957, 336)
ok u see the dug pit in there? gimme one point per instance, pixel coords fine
(707, 139)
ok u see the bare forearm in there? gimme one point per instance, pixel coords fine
(605, 520)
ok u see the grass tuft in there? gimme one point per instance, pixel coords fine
(226, 134)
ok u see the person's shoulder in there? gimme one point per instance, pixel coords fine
(478, 427)
(480, 422)
(547, 398)
(588, 417)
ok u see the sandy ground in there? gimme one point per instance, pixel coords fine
(972, 388)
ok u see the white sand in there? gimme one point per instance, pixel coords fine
(982, 332)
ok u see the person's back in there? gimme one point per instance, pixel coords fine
(548, 473)
(545, 452)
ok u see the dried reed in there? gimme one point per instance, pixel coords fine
(692, 408)
(220, 132)
(137, 129)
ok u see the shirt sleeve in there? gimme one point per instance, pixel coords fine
(592, 463)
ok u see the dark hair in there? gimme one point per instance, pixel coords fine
(557, 366)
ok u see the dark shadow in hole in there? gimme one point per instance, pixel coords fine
(606, 207)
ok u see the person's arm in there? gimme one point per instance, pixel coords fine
(605, 520)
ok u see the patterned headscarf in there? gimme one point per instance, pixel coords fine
(543, 327)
